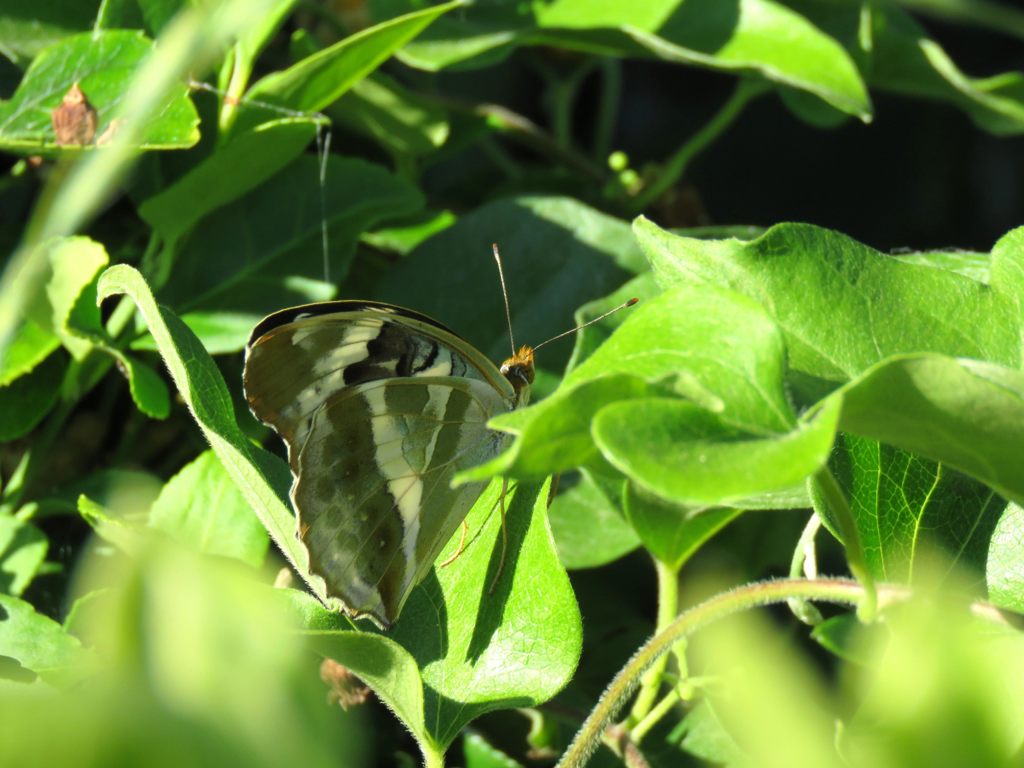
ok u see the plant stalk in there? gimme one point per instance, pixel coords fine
(668, 609)
(432, 757)
(831, 495)
(841, 591)
(676, 165)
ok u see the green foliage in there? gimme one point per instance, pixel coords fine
(254, 155)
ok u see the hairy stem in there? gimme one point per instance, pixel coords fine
(841, 591)
(668, 609)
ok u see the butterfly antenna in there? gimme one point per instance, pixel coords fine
(625, 304)
(504, 295)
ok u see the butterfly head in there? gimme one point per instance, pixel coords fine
(518, 369)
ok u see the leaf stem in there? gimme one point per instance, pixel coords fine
(607, 107)
(804, 563)
(842, 591)
(563, 99)
(432, 757)
(668, 609)
(657, 712)
(676, 165)
(828, 492)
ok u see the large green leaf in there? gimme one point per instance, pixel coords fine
(965, 413)
(480, 650)
(103, 64)
(905, 505)
(687, 455)
(321, 78)
(460, 649)
(588, 525)
(28, 27)
(247, 161)
(894, 53)
(741, 36)
(857, 306)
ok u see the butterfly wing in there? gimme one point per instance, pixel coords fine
(378, 407)
(298, 358)
(374, 521)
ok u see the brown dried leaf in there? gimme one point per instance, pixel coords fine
(74, 121)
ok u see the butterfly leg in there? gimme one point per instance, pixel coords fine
(460, 548)
(504, 538)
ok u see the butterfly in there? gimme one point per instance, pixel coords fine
(379, 407)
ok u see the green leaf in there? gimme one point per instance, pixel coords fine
(1005, 567)
(74, 263)
(670, 532)
(976, 266)
(716, 347)
(71, 312)
(251, 255)
(740, 36)
(320, 79)
(964, 413)
(26, 401)
(30, 346)
(904, 505)
(906, 60)
(201, 507)
(248, 160)
(103, 64)
(262, 478)
(40, 644)
(157, 13)
(554, 435)
(119, 530)
(147, 388)
(642, 287)
(479, 651)
(28, 27)
(22, 552)
(857, 305)
(557, 254)
(1007, 273)
(479, 754)
(396, 118)
(687, 455)
(588, 527)
(254, 39)
(459, 650)
(386, 667)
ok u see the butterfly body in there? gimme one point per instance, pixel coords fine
(379, 407)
